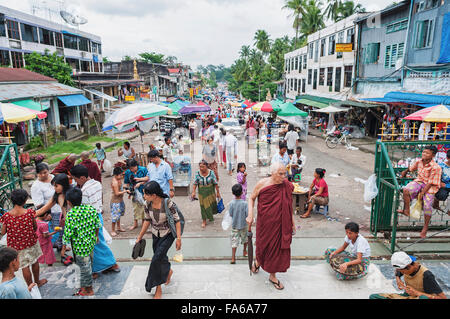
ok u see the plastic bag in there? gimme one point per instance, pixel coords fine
(370, 188)
(3, 240)
(226, 221)
(178, 257)
(107, 236)
(220, 206)
(415, 210)
(35, 293)
(107, 166)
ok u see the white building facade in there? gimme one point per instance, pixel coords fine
(295, 68)
(22, 33)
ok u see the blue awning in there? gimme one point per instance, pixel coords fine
(74, 100)
(423, 100)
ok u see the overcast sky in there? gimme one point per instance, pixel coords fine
(195, 31)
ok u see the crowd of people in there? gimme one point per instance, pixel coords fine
(69, 207)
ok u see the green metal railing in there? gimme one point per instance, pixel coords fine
(10, 174)
(391, 158)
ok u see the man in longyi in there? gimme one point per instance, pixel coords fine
(275, 223)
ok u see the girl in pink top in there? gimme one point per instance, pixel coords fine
(318, 192)
(45, 239)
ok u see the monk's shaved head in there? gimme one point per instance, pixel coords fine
(274, 167)
(85, 155)
(72, 157)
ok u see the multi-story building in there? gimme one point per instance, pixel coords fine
(380, 55)
(22, 33)
(330, 73)
(295, 72)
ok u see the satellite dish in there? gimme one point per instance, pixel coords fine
(72, 19)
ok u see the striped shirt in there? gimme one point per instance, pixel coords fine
(93, 195)
(428, 174)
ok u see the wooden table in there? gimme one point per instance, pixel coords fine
(301, 198)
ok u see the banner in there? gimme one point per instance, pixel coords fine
(344, 47)
(129, 98)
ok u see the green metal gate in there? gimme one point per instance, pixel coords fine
(391, 158)
(10, 174)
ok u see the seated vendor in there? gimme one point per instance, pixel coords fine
(359, 253)
(318, 192)
(297, 162)
(419, 281)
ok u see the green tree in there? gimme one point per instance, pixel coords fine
(244, 53)
(313, 20)
(349, 8)
(297, 8)
(152, 57)
(106, 60)
(50, 65)
(262, 41)
(126, 58)
(332, 9)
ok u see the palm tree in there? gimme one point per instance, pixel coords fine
(313, 20)
(297, 12)
(244, 53)
(262, 41)
(332, 10)
(349, 8)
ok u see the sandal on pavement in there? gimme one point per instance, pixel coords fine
(67, 260)
(79, 293)
(275, 284)
(305, 216)
(256, 268)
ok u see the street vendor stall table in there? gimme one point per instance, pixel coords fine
(182, 173)
(300, 196)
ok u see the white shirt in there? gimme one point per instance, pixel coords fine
(216, 136)
(42, 192)
(167, 153)
(231, 142)
(291, 138)
(193, 125)
(361, 245)
(93, 194)
(294, 160)
(277, 158)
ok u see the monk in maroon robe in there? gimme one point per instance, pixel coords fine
(275, 223)
(93, 170)
(65, 165)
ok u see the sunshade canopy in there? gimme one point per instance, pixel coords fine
(438, 113)
(74, 100)
(12, 113)
(30, 104)
(289, 109)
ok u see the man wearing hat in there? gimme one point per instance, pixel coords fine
(419, 281)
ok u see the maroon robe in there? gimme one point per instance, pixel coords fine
(64, 167)
(93, 170)
(274, 227)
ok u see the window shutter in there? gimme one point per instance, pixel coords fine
(393, 55)
(387, 57)
(401, 47)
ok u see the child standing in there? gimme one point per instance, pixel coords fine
(101, 155)
(81, 231)
(242, 179)
(11, 286)
(238, 211)
(45, 239)
(20, 225)
(117, 203)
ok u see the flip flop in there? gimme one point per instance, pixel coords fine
(232, 262)
(136, 249)
(79, 293)
(256, 268)
(275, 284)
(305, 216)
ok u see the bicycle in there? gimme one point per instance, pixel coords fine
(333, 139)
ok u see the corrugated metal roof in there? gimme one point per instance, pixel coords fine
(13, 91)
(18, 75)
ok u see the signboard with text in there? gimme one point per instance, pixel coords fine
(129, 98)
(344, 47)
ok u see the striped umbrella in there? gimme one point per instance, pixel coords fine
(263, 107)
(438, 113)
(12, 113)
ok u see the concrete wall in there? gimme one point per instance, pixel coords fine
(429, 55)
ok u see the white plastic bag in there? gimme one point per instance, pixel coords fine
(370, 188)
(107, 166)
(107, 236)
(3, 240)
(226, 221)
(35, 293)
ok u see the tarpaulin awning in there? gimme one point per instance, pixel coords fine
(354, 103)
(289, 109)
(30, 104)
(424, 100)
(315, 101)
(331, 109)
(74, 100)
(101, 94)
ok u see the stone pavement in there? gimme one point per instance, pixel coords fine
(206, 273)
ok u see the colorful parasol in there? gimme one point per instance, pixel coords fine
(128, 116)
(263, 107)
(12, 113)
(438, 113)
(195, 108)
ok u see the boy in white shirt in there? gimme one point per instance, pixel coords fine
(359, 253)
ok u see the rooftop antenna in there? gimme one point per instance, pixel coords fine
(71, 16)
